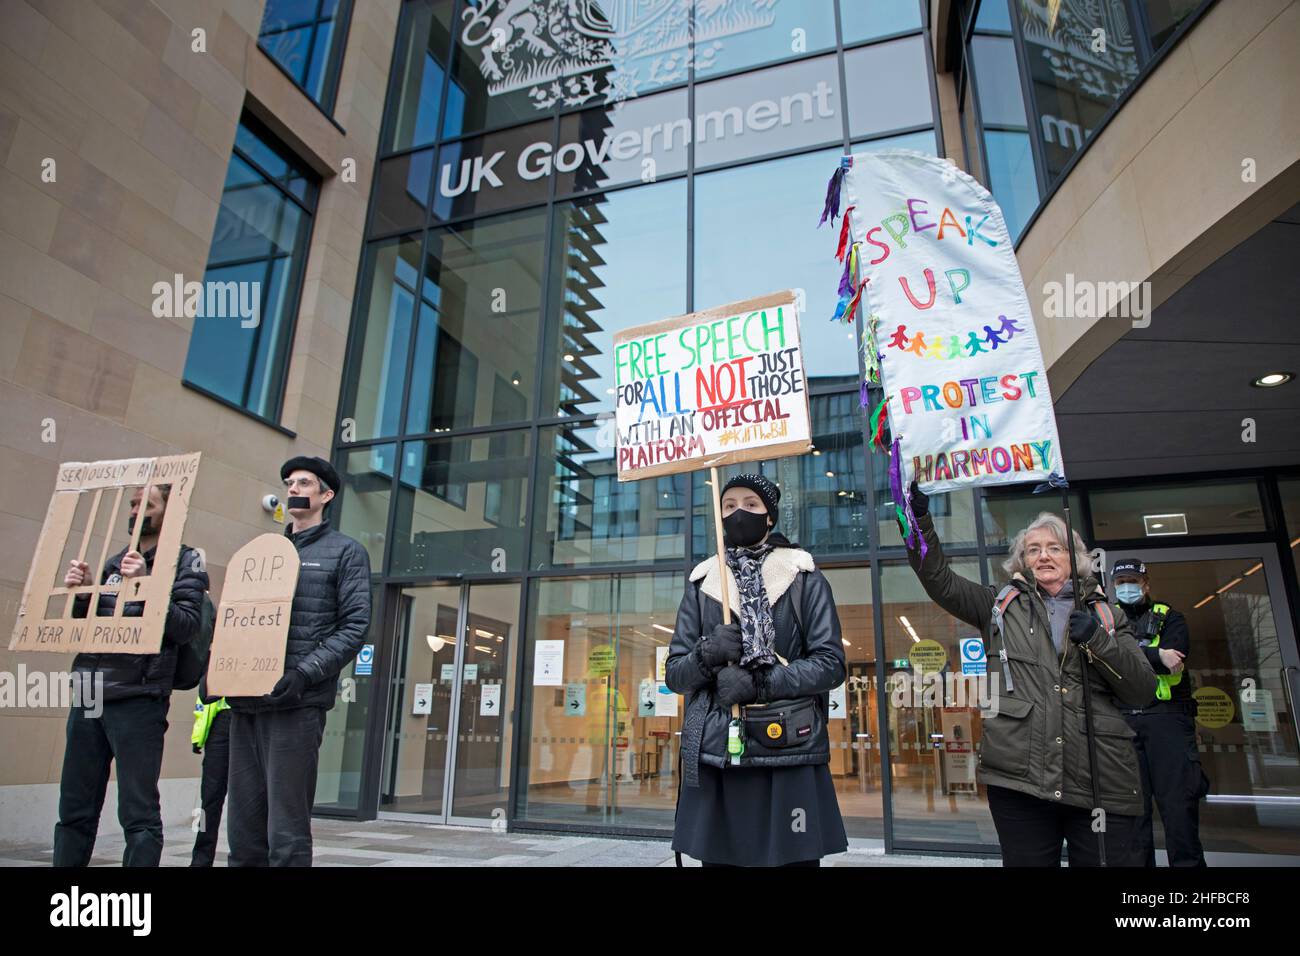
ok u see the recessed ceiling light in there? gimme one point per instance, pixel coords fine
(1273, 379)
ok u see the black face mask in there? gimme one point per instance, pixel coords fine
(146, 526)
(299, 501)
(744, 529)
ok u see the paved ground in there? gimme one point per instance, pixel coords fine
(393, 843)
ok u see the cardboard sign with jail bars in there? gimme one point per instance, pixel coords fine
(91, 502)
(247, 658)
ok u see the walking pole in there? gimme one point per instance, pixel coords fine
(735, 745)
(1083, 667)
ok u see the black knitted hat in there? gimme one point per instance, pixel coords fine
(760, 486)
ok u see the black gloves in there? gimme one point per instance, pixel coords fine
(1082, 626)
(736, 686)
(289, 688)
(722, 647)
(919, 499)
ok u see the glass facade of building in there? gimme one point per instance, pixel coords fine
(541, 187)
(1038, 79)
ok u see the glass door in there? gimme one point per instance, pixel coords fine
(1242, 664)
(448, 731)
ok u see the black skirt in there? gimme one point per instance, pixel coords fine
(760, 816)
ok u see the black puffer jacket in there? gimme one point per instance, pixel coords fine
(145, 675)
(330, 616)
(816, 657)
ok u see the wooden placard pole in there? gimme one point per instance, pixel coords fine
(722, 559)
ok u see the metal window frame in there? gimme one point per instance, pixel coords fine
(333, 68)
(294, 281)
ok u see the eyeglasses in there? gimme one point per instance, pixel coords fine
(1053, 550)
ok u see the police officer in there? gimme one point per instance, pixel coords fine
(210, 736)
(1166, 738)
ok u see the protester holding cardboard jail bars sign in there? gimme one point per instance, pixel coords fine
(136, 691)
(950, 348)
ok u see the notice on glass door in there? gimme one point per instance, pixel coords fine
(548, 664)
(665, 699)
(489, 704)
(422, 702)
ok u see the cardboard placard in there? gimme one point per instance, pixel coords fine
(711, 388)
(248, 644)
(36, 629)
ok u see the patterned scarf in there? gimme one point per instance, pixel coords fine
(756, 628)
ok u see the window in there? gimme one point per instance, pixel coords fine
(1165, 16)
(386, 298)
(305, 37)
(239, 347)
(460, 505)
(754, 221)
(772, 111)
(586, 516)
(616, 261)
(869, 19)
(478, 325)
(889, 87)
(1010, 176)
(730, 36)
(423, 42)
(1074, 82)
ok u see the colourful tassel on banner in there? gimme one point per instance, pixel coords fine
(877, 422)
(846, 279)
(832, 205)
(907, 524)
(853, 303)
(870, 357)
(844, 235)
(840, 306)
(896, 491)
(864, 395)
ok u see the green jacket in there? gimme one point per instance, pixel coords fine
(1037, 743)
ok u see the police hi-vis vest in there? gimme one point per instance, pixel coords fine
(204, 715)
(1165, 681)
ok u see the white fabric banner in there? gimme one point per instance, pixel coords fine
(960, 362)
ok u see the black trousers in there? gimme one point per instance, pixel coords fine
(1171, 773)
(273, 758)
(1030, 832)
(212, 789)
(131, 732)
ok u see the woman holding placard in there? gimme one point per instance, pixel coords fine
(756, 788)
(1035, 759)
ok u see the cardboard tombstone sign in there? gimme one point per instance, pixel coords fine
(248, 645)
(46, 620)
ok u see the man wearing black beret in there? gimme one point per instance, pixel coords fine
(275, 739)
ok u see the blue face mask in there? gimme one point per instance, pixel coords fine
(1129, 593)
